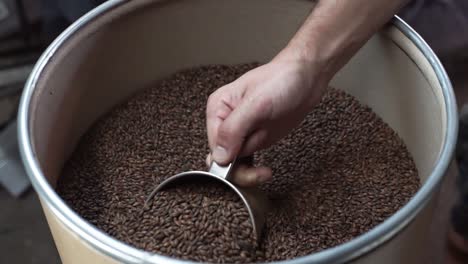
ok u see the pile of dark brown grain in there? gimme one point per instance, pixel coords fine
(339, 174)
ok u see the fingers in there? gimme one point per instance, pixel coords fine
(217, 110)
(232, 132)
(247, 176)
(220, 105)
(251, 176)
(208, 160)
(257, 141)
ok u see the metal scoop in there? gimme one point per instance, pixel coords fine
(255, 201)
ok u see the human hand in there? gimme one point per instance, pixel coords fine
(266, 103)
(258, 109)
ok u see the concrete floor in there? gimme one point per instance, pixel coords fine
(25, 237)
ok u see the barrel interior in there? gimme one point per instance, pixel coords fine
(142, 41)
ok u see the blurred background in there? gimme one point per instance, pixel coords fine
(28, 26)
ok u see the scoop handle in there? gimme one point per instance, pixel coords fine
(225, 171)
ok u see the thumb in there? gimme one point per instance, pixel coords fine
(242, 121)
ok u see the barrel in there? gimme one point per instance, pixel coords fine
(123, 46)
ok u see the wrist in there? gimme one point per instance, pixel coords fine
(313, 62)
(335, 31)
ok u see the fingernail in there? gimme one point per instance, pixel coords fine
(220, 155)
(208, 160)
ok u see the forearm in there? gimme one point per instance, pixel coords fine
(336, 29)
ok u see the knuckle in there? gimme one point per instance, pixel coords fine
(212, 104)
(211, 99)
